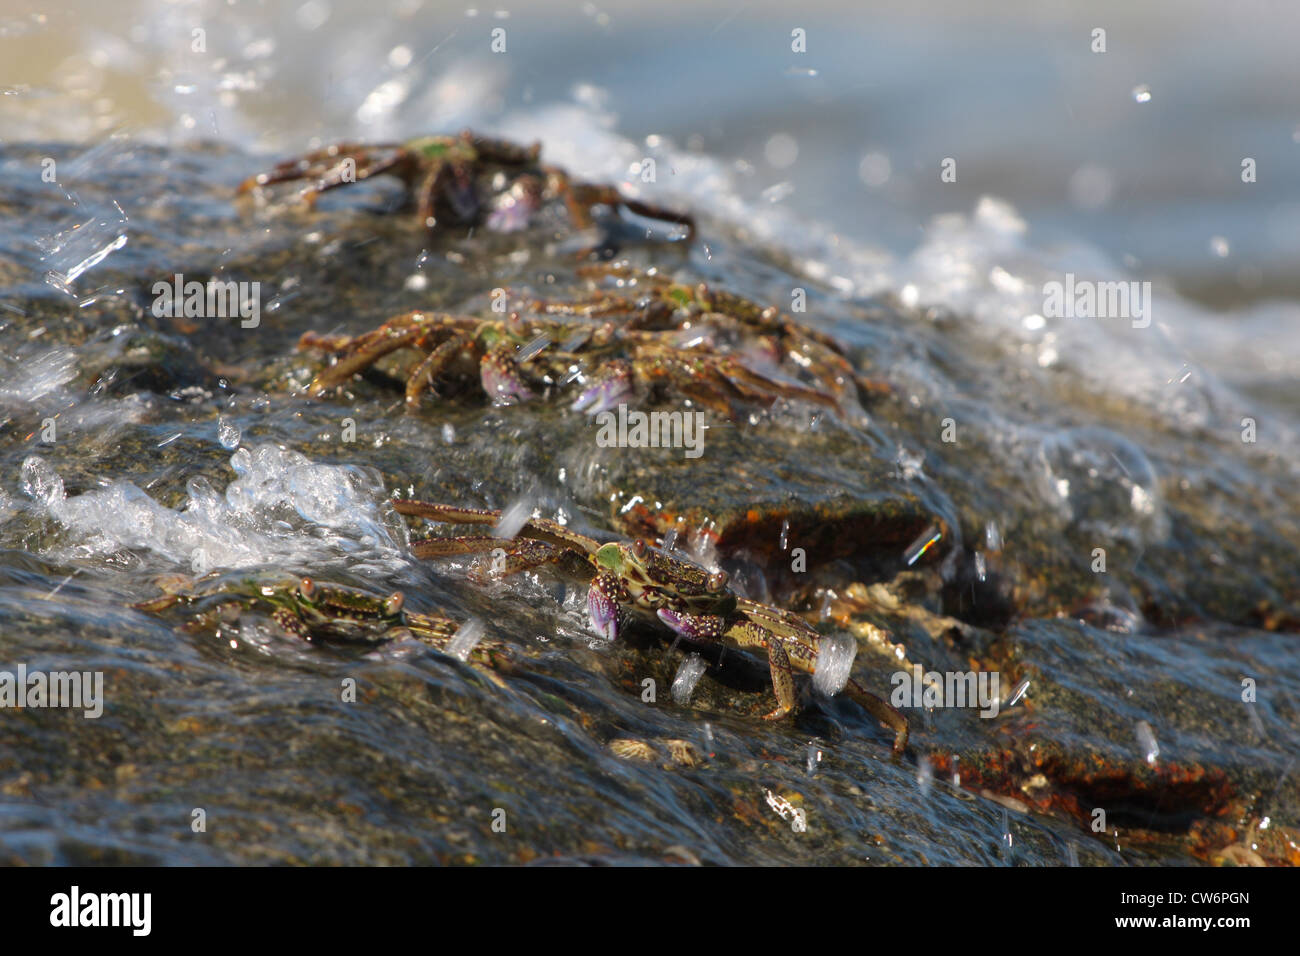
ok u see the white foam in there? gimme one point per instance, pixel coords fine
(987, 268)
(33, 378)
(281, 509)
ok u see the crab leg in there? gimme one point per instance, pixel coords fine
(336, 175)
(433, 192)
(752, 385)
(431, 366)
(350, 365)
(403, 331)
(882, 711)
(744, 634)
(778, 661)
(522, 554)
(581, 197)
(328, 160)
(784, 652)
(538, 528)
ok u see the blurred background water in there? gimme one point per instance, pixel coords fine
(1138, 149)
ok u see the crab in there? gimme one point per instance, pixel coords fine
(633, 579)
(311, 610)
(763, 336)
(713, 348)
(464, 179)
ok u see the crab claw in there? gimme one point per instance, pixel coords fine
(510, 215)
(514, 210)
(501, 380)
(606, 392)
(697, 627)
(681, 623)
(603, 611)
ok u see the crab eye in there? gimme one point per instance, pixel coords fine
(638, 548)
(393, 604)
(307, 588)
(717, 581)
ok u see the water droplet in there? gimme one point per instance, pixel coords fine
(688, 675)
(399, 57)
(313, 14)
(1142, 94)
(513, 519)
(924, 542)
(1019, 692)
(781, 150)
(448, 433)
(834, 663)
(465, 639)
(875, 170)
(1255, 722)
(774, 194)
(909, 464)
(228, 434)
(1219, 246)
(41, 481)
(1147, 740)
(785, 535)
(992, 536)
(814, 754)
(532, 348)
(1091, 187)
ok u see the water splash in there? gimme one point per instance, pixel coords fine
(688, 675)
(834, 663)
(513, 519)
(814, 758)
(1146, 738)
(465, 639)
(228, 434)
(281, 509)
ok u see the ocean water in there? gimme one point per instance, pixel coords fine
(949, 164)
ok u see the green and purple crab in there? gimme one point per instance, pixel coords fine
(634, 579)
(315, 611)
(651, 339)
(462, 180)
